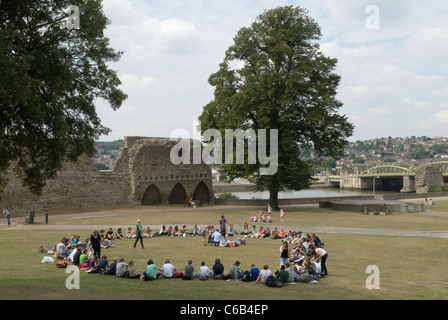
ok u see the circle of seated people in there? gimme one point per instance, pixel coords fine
(303, 263)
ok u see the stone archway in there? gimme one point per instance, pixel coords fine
(178, 195)
(152, 196)
(202, 193)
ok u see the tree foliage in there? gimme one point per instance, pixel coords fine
(275, 77)
(50, 76)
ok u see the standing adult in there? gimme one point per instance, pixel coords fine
(138, 234)
(204, 234)
(7, 214)
(321, 255)
(222, 225)
(95, 242)
(284, 253)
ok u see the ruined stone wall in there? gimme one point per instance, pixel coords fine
(77, 185)
(427, 176)
(142, 164)
(150, 165)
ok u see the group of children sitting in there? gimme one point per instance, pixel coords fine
(301, 264)
(260, 216)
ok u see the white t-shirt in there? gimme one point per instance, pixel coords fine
(167, 270)
(321, 251)
(265, 274)
(204, 270)
(72, 255)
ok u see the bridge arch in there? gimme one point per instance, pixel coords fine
(386, 169)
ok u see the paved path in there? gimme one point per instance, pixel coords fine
(17, 223)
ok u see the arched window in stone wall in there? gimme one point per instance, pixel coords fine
(178, 195)
(202, 193)
(152, 196)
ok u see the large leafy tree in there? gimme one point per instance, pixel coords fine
(275, 77)
(53, 66)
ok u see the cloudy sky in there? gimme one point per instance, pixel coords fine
(392, 59)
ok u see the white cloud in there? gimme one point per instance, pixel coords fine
(441, 117)
(134, 83)
(379, 111)
(394, 81)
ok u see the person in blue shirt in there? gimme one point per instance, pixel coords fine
(254, 272)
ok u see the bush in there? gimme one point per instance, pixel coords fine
(443, 188)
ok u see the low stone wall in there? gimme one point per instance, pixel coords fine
(367, 206)
(413, 196)
(222, 188)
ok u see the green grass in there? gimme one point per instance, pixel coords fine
(410, 267)
(439, 205)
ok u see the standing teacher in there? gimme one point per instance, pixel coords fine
(95, 242)
(138, 232)
(222, 225)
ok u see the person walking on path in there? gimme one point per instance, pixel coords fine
(138, 234)
(7, 214)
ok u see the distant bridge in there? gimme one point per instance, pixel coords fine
(384, 177)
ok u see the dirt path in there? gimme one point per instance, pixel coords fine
(18, 223)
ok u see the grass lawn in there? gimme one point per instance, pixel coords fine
(410, 267)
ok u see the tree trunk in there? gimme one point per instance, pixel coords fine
(273, 200)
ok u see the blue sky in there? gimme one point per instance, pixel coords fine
(394, 78)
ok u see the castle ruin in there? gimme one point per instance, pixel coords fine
(143, 175)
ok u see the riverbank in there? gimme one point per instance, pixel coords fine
(316, 200)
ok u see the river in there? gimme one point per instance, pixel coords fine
(309, 193)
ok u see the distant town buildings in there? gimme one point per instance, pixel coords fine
(409, 151)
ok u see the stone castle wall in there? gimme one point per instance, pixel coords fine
(143, 174)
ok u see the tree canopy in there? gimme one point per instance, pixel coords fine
(53, 66)
(275, 77)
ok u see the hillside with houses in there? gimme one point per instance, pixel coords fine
(409, 151)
